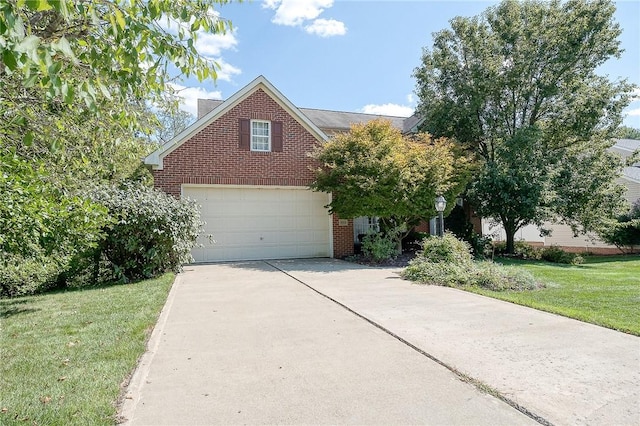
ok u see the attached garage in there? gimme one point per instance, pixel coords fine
(250, 223)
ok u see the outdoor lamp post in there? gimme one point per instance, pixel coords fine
(441, 204)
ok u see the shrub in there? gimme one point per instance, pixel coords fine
(555, 254)
(481, 246)
(424, 271)
(152, 232)
(22, 276)
(493, 276)
(446, 249)
(521, 249)
(447, 262)
(624, 233)
(44, 223)
(484, 274)
(377, 246)
(413, 240)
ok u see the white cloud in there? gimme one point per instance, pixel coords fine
(635, 94)
(326, 28)
(411, 99)
(388, 109)
(633, 112)
(225, 70)
(295, 12)
(190, 96)
(211, 45)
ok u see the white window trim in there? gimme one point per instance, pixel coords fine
(251, 136)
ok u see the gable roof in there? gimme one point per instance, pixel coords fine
(155, 158)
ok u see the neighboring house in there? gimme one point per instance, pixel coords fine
(561, 235)
(246, 162)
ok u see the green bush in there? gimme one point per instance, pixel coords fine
(624, 233)
(447, 262)
(493, 276)
(424, 271)
(555, 254)
(446, 249)
(44, 223)
(521, 249)
(377, 246)
(22, 276)
(152, 232)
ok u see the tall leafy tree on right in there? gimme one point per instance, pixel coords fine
(517, 86)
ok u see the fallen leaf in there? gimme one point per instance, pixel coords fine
(45, 399)
(4, 410)
(62, 379)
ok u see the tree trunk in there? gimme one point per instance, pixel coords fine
(510, 240)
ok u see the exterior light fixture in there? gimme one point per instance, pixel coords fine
(441, 205)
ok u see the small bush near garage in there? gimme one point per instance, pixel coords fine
(151, 233)
(447, 261)
(376, 246)
(447, 249)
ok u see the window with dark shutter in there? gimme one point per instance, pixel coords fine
(245, 134)
(276, 136)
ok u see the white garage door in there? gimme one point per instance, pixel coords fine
(249, 223)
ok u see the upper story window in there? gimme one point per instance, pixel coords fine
(260, 135)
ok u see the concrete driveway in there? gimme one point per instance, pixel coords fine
(323, 341)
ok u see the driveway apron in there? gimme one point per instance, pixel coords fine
(246, 343)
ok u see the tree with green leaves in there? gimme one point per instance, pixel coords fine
(517, 87)
(77, 79)
(626, 132)
(624, 232)
(171, 120)
(374, 170)
(96, 50)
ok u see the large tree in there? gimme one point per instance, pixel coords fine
(373, 170)
(77, 79)
(95, 50)
(517, 86)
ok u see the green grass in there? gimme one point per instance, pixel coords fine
(603, 291)
(64, 356)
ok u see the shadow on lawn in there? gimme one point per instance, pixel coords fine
(9, 308)
(612, 258)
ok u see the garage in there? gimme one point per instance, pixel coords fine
(251, 223)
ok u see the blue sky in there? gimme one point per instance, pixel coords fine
(353, 55)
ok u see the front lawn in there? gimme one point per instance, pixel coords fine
(603, 291)
(64, 356)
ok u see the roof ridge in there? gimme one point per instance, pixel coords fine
(353, 112)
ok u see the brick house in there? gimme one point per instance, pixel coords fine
(245, 161)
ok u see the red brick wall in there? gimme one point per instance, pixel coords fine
(342, 237)
(212, 157)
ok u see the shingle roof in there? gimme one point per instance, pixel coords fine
(626, 147)
(342, 121)
(328, 120)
